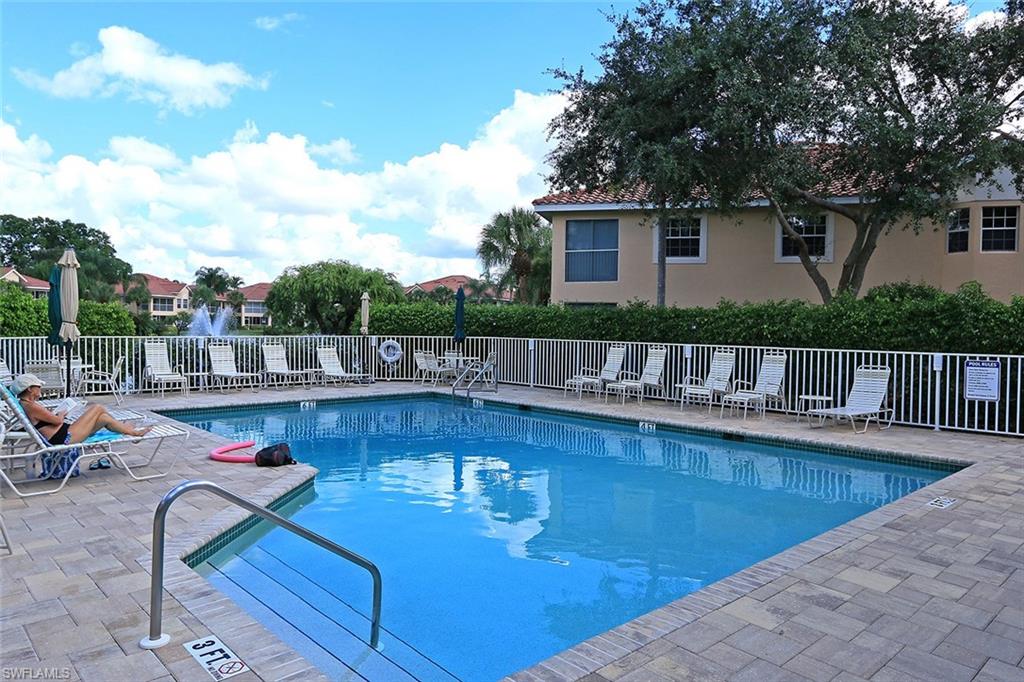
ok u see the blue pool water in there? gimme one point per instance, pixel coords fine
(505, 536)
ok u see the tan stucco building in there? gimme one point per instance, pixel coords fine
(603, 251)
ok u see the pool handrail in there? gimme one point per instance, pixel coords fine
(156, 639)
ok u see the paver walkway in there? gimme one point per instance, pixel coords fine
(905, 592)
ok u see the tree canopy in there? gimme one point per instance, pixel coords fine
(717, 103)
(33, 246)
(218, 279)
(325, 297)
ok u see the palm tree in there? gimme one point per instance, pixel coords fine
(511, 241)
(218, 279)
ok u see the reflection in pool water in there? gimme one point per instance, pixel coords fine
(505, 536)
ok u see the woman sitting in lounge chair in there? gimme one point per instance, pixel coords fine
(51, 426)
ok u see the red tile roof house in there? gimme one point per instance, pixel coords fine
(453, 282)
(169, 297)
(38, 288)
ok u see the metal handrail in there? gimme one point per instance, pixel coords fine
(481, 368)
(156, 639)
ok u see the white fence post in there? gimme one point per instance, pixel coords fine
(937, 362)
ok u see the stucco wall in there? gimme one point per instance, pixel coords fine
(741, 262)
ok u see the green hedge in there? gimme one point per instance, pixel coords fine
(891, 317)
(21, 315)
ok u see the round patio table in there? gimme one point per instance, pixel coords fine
(811, 401)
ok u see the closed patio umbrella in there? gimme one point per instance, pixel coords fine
(364, 314)
(68, 303)
(460, 316)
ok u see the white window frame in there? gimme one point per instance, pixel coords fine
(830, 232)
(966, 229)
(684, 260)
(982, 229)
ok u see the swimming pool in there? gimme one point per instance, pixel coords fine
(505, 536)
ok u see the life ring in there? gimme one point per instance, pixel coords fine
(221, 454)
(390, 351)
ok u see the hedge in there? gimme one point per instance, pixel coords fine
(21, 315)
(904, 316)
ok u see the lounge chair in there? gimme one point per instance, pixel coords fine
(717, 383)
(419, 367)
(654, 367)
(52, 374)
(437, 371)
(158, 368)
(867, 399)
(224, 371)
(103, 380)
(41, 452)
(594, 380)
(6, 375)
(332, 368)
(277, 365)
(768, 387)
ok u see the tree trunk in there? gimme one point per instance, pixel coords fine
(662, 242)
(521, 288)
(805, 258)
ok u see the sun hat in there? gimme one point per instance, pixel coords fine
(23, 382)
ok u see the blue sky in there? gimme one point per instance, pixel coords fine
(255, 136)
(410, 90)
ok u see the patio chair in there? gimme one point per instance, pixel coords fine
(158, 368)
(6, 375)
(436, 370)
(594, 380)
(94, 378)
(867, 399)
(224, 371)
(54, 458)
(52, 374)
(276, 360)
(717, 383)
(768, 387)
(332, 368)
(419, 367)
(654, 367)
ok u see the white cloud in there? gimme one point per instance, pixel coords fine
(339, 151)
(129, 63)
(327, 103)
(263, 202)
(274, 23)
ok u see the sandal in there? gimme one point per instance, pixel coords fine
(94, 466)
(103, 463)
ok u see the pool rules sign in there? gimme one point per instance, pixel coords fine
(981, 380)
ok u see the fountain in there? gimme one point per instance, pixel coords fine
(203, 324)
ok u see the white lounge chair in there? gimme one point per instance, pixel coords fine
(717, 382)
(768, 387)
(6, 375)
(224, 371)
(276, 360)
(594, 380)
(332, 368)
(41, 452)
(95, 378)
(654, 367)
(158, 368)
(437, 371)
(419, 367)
(867, 399)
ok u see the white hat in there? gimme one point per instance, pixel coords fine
(23, 382)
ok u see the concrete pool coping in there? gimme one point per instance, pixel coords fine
(822, 581)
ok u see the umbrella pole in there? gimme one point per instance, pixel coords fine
(67, 386)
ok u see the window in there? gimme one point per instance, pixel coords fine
(164, 305)
(255, 307)
(686, 240)
(181, 303)
(591, 250)
(999, 228)
(958, 230)
(817, 234)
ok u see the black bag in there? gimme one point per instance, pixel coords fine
(275, 455)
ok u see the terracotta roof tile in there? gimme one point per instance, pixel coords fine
(25, 280)
(158, 286)
(452, 282)
(256, 292)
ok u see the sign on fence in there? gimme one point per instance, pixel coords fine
(981, 380)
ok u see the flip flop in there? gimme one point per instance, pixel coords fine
(103, 463)
(94, 466)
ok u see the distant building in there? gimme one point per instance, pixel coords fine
(38, 288)
(453, 282)
(169, 297)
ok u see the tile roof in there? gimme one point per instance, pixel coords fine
(158, 286)
(256, 292)
(452, 282)
(25, 280)
(834, 185)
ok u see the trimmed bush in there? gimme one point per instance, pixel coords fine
(21, 315)
(901, 316)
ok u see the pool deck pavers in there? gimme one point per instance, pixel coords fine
(906, 592)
